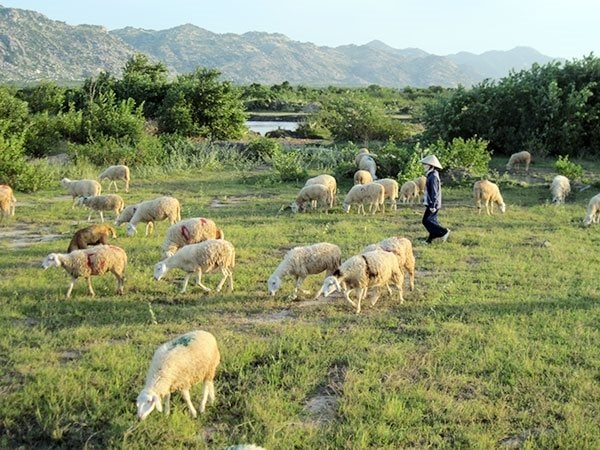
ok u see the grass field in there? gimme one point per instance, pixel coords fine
(497, 347)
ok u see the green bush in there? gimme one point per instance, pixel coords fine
(262, 149)
(109, 151)
(19, 173)
(568, 168)
(289, 166)
(471, 155)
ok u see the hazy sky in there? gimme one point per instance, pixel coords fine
(558, 28)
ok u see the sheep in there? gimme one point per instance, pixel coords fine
(114, 173)
(150, 211)
(110, 202)
(593, 211)
(90, 262)
(362, 177)
(420, 182)
(560, 188)
(7, 200)
(189, 231)
(523, 157)
(371, 269)
(368, 163)
(178, 365)
(403, 249)
(325, 180)
(487, 192)
(371, 193)
(205, 256)
(362, 152)
(312, 193)
(409, 192)
(390, 187)
(299, 262)
(81, 188)
(93, 235)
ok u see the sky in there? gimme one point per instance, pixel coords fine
(557, 28)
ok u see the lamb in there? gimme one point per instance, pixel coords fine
(403, 249)
(114, 173)
(100, 203)
(371, 269)
(368, 163)
(7, 200)
(371, 193)
(409, 192)
(178, 365)
(560, 188)
(312, 193)
(189, 231)
(325, 180)
(299, 262)
(390, 187)
(362, 152)
(521, 158)
(205, 256)
(593, 211)
(487, 192)
(150, 211)
(362, 177)
(90, 262)
(81, 188)
(93, 235)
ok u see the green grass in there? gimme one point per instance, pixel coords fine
(497, 347)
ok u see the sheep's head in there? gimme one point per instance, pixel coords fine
(65, 181)
(146, 402)
(587, 220)
(274, 283)
(159, 270)
(503, 207)
(131, 230)
(331, 285)
(81, 201)
(295, 207)
(51, 260)
(346, 207)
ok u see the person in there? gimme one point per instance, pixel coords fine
(433, 200)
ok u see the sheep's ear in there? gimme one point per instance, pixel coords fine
(157, 402)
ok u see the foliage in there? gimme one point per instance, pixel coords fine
(288, 166)
(46, 97)
(568, 168)
(471, 155)
(262, 149)
(17, 171)
(105, 151)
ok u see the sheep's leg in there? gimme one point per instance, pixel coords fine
(230, 280)
(411, 278)
(185, 282)
(116, 187)
(199, 281)
(90, 216)
(71, 284)
(167, 404)
(377, 294)
(207, 391)
(299, 282)
(149, 228)
(186, 396)
(89, 283)
(211, 391)
(101, 217)
(120, 280)
(126, 185)
(361, 294)
(225, 273)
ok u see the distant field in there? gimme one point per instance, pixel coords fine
(497, 347)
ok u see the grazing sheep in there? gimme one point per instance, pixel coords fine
(409, 192)
(367, 163)
(300, 262)
(316, 193)
(90, 262)
(403, 249)
(110, 202)
(189, 231)
(178, 365)
(151, 211)
(362, 177)
(114, 173)
(371, 193)
(593, 211)
(420, 182)
(362, 152)
(390, 187)
(325, 180)
(93, 235)
(487, 192)
(521, 158)
(7, 200)
(205, 257)
(560, 189)
(81, 188)
(371, 269)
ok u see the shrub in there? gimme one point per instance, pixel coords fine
(262, 149)
(108, 151)
(288, 166)
(568, 168)
(471, 155)
(19, 173)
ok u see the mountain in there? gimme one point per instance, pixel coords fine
(33, 47)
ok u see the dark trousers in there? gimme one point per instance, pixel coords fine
(430, 221)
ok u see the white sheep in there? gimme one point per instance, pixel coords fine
(368, 270)
(178, 365)
(420, 182)
(560, 188)
(371, 193)
(593, 211)
(316, 193)
(403, 249)
(362, 152)
(151, 211)
(7, 200)
(362, 177)
(409, 192)
(521, 158)
(81, 188)
(205, 256)
(114, 173)
(100, 203)
(390, 187)
(90, 262)
(299, 262)
(489, 193)
(189, 231)
(325, 180)
(368, 163)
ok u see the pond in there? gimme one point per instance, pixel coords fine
(264, 126)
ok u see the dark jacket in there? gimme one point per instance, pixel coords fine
(433, 192)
